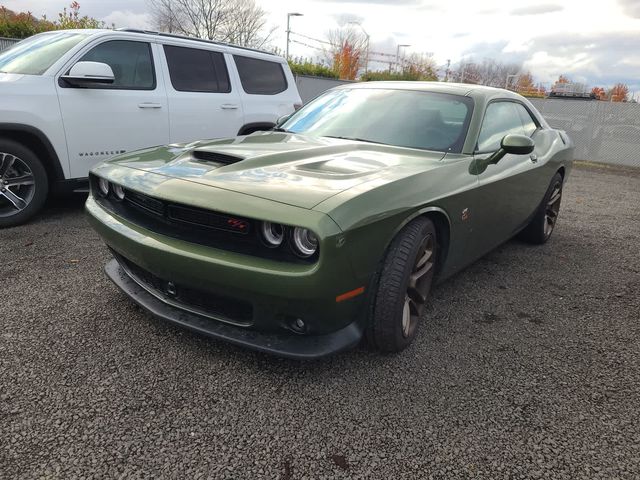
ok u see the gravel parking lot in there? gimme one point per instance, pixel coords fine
(527, 366)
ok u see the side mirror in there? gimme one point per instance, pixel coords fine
(89, 73)
(510, 144)
(281, 120)
(517, 144)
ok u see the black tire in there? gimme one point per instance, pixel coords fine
(387, 327)
(543, 223)
(19, 199)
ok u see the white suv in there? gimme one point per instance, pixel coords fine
(72, 98)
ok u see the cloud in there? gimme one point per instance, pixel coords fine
(344, 18)
(128, 19)
(537, 9)
(378, 2)
(630, 7)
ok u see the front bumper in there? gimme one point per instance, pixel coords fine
(298, 347)
(278, 293)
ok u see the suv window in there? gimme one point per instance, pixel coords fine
(131, 62)
(260, 77)
(36, 54)
(500, 119)
(195, 70)
(528, 122)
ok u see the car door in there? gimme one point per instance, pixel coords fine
(508, 190)
(203, 101)
(103, 120)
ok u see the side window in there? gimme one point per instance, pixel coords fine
(500, 119)
(260, 77)
(196, 70)
(131, 62)
(528, 122)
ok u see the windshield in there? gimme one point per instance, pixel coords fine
(405, 118)
(36, 54)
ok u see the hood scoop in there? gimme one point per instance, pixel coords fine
(215, 157)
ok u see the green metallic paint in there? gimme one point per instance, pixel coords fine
(355, 196)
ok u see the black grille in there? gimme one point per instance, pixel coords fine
(198, 301)
(195, 225)
(206, 156)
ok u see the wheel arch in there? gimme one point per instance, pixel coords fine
(37, 141)
(255, 127)
(441, 221)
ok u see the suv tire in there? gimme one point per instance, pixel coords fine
(24, 185)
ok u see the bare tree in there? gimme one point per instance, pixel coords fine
(489, 72)
(241, 22)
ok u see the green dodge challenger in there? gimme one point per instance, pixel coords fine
(332, 228)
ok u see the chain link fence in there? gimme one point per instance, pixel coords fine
(7, 42)
(607, 132)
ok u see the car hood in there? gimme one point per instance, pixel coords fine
(294, 169)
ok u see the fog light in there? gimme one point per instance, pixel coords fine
(118, 191)
(298, 325)
(103, 186)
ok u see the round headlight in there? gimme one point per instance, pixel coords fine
(118, 191)
(305, 242)
(103, 186)
(272, 233)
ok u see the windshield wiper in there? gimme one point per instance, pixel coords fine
(355, 139)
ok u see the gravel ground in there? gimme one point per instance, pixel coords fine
(527, 367)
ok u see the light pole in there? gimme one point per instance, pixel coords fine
(289, 15)
(398, 53)
(366, 60)
(506, 83)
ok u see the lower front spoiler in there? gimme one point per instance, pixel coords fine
(293, 346)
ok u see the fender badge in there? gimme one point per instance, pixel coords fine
(465, 214)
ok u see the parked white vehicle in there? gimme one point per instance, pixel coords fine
(72, 98)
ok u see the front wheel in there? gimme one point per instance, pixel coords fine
(403, 286)
(23, 184)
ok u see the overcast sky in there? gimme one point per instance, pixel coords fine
(594, 42)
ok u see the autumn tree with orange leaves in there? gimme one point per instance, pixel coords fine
(619, 93)
(599, 93)
(348, 51)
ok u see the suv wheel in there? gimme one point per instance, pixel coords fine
(23, 184)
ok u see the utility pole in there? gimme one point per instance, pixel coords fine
(398, 53)
(289, 15)
(366, 60)
(446, 72)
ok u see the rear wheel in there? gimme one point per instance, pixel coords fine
(543, 223)
(23, 184)
(403, 287)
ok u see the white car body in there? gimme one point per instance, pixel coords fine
(71, 129)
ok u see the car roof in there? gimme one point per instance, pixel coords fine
(465, 89)
(160, 36)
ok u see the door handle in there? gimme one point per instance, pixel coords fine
(229, 106)
(533, 157)
(149, 105)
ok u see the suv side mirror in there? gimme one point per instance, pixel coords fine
(89, 73)
(281, 120)
(510, 144)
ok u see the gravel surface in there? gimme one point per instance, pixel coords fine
(528, 366)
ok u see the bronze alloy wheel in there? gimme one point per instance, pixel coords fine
(552, 209)
(17, 185)
(418, 288)
(403, 285)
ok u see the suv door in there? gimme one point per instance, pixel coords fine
(103, 120)
(202, 102)
(508, 190)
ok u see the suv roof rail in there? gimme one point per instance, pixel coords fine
(195, 39)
